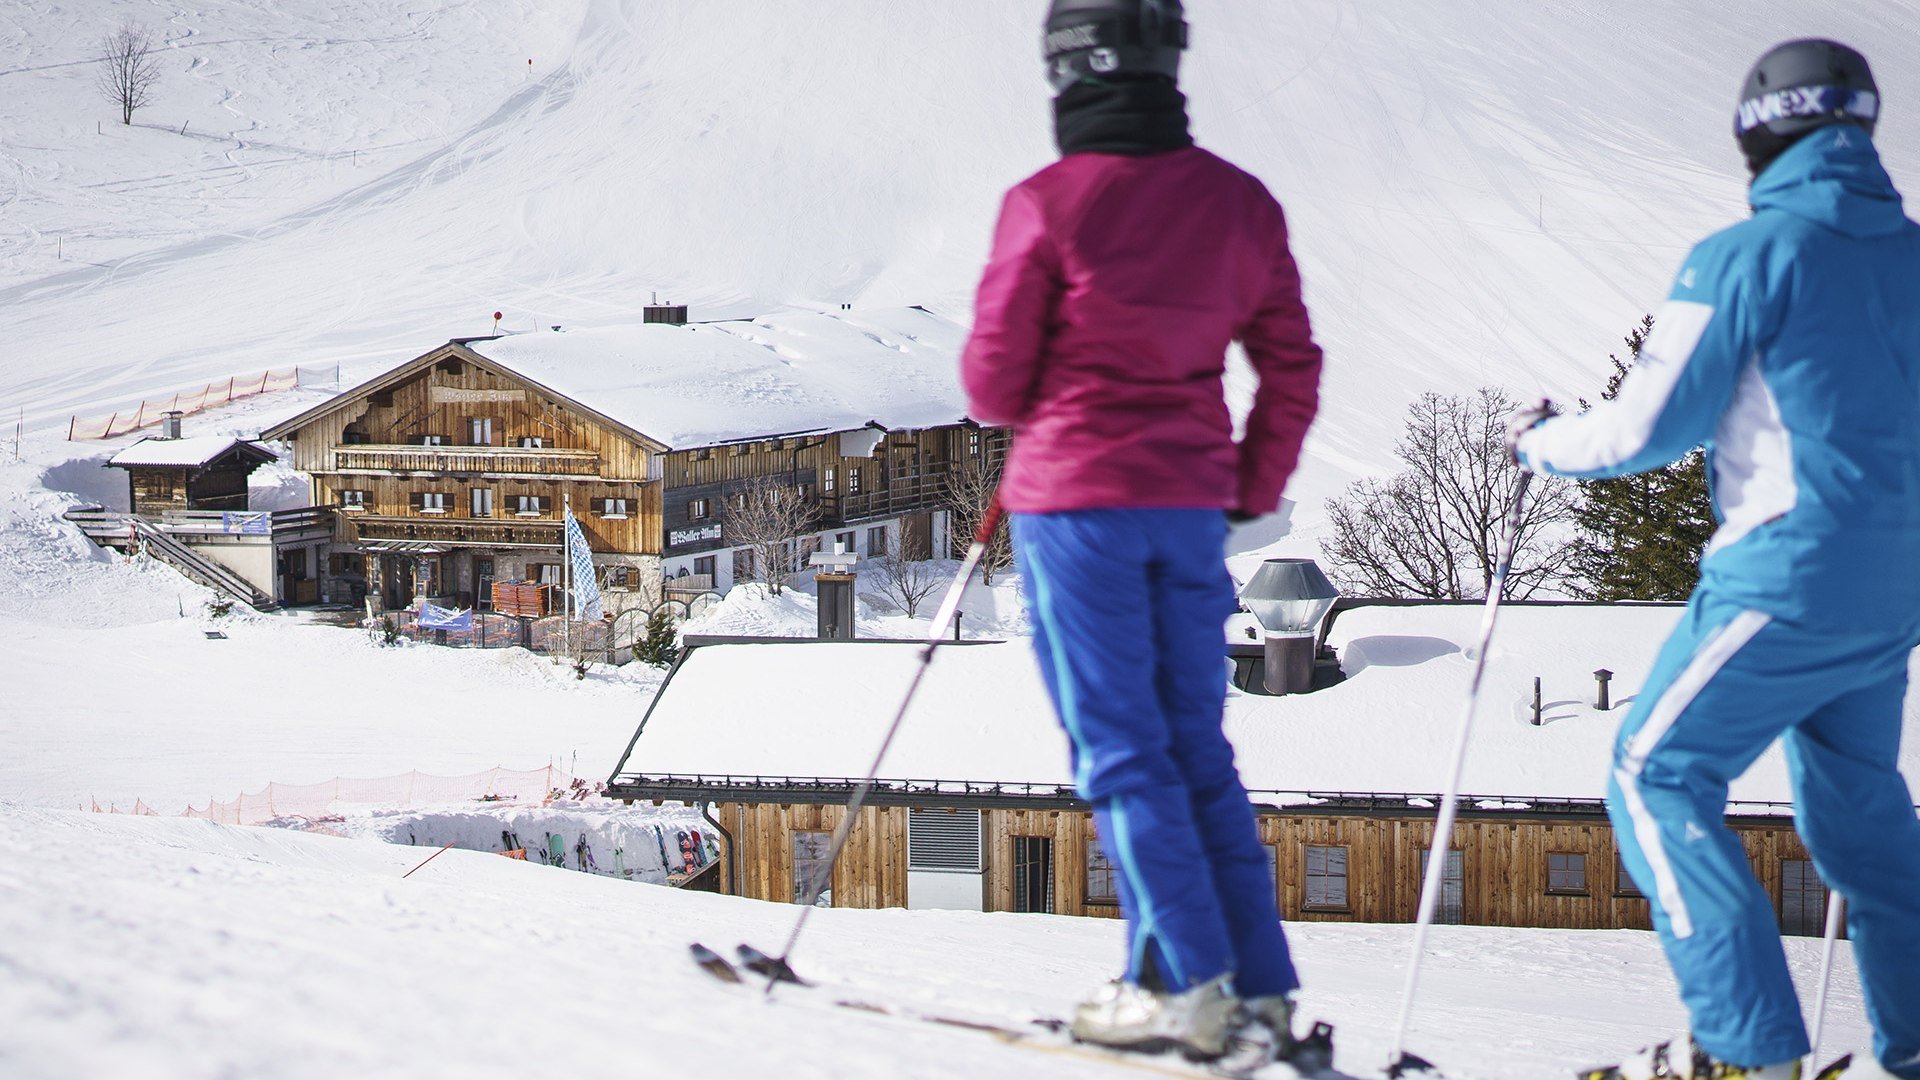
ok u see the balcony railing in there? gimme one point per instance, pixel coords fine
(462, 532)
(474, 460)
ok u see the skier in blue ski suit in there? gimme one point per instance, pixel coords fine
(1790, 346)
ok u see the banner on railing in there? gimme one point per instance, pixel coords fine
(150, 412)
(246, 523)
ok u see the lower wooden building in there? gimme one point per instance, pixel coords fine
(975, 809)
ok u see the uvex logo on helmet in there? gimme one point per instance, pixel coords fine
(1112, 39)
(1802, 101)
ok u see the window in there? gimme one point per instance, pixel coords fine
(480, 431)
(482, 502)
(1803, 899)
(345, 563)
(973, 444)
(353, 500)
(699, 509)
(810, 867)
(1100, 884)
(612, 508)
(351, 437)
(618, 576)
(877, 541)
(853, 481)
(742, 565)
(1567, 872)
(844, 541)
(1623, 883)
(1452, 888)
(738, 500)
(703, 453)
(739, 449)
(1326, 878)
(433, 502)
(704, 565)
(533, 442)
(546, 573)
(430, 440)
(1273, 867)
(529, 505)
(1033, 874)
(826, 481)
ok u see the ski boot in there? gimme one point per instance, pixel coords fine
(1666, 1061)
(1199, 1022)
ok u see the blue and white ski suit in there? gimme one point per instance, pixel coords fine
(1790, 347)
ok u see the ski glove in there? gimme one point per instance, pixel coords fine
(1523, 421)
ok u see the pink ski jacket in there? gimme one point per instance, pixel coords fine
(1115, 285)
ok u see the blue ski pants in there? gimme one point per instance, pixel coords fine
(1128, 607)
(1726, 685)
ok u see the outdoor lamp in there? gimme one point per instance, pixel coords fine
(1289, 597)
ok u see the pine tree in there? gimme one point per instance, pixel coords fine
(661, 641)
(1642, 535)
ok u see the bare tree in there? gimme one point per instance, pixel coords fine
(767, 518)
(1433, 529)
(970, 489)
(128, 70)
(904, 581)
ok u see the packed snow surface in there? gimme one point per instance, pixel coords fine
(182, 949)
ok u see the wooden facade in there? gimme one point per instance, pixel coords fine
(217, 484)
(1504, 877)
(453, 468)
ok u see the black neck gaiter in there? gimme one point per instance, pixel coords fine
(1132, 116)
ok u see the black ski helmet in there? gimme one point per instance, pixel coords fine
(1800, 86)
(1112, 39)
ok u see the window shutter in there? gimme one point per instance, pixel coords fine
(599, 506)
(943, 840)
(414, 500)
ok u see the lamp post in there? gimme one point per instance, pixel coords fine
(1289, 597)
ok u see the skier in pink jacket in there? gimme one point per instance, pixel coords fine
(1118, 279)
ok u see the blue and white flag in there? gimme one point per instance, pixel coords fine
(434, 617)
(586, 588)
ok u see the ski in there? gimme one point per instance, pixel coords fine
(1656, 1063)
(1312, 1058)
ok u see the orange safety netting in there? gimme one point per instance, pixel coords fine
(407, 789)
(192, 401)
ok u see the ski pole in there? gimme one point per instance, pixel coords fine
(425, 861)
(936, 636)
(1442, 841)
(1836, 908)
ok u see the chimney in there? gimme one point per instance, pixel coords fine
(1289, 597)
(834, 581)
(667, 314)
(170, 424)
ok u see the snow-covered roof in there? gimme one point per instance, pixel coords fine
(195, 451)
(709, 383)
(818, 710)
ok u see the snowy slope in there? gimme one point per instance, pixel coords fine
(1479, 194)
(180, 949)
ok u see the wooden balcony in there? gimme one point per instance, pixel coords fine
(453, 532)
(541, 462)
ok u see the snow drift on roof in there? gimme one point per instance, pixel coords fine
(195, 451)
(811, 710)
(720, 382)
